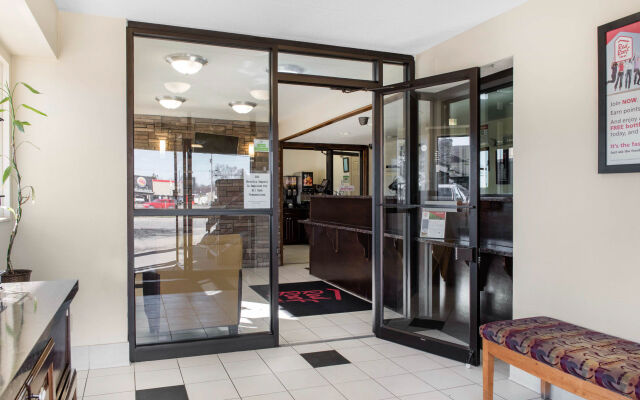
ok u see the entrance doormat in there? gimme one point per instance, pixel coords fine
(302, 299)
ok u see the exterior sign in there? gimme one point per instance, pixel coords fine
(261, 145)
(257, 191)
(619, 96)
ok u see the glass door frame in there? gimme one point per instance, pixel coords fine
(273, 46)
(470, 354)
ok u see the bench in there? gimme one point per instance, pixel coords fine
(590, 364)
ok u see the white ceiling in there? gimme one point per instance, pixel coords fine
(406, 27)
(346, 131)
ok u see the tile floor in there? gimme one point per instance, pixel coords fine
(352, 369)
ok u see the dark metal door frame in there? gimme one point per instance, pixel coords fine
(465, 354)
(274, 47)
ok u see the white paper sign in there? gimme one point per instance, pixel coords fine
(257, 191)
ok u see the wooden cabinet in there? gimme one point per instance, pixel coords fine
(292, 230)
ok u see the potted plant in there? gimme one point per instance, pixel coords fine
(24, 193)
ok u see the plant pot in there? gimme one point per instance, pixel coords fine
(17, 275)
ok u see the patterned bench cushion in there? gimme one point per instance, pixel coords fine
(605, 360)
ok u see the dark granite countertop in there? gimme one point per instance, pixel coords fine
(26, 310)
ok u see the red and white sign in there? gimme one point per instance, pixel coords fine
(141, 181)
(623, 48)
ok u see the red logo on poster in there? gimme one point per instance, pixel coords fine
(141, 181)
(623, 48)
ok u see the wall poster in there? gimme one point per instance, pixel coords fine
(619, 96)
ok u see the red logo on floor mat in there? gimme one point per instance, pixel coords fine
(314, 296)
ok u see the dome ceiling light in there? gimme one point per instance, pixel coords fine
(259, 94)
(242, 107)
(185, 63)
(170, 102)
(177, 87)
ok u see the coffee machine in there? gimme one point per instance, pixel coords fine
(291, 191)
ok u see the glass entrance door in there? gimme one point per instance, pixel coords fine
(426, 198)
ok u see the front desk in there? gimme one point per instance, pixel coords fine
(340, 238)
(340, 245)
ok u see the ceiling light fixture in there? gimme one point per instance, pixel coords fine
(187, 64)
(290, 68)
(196, 146)
(242, 107)
(259, 94)
(177, 87)
(170, 102)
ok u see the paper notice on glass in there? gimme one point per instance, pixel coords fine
(257, 191)
(433, 224)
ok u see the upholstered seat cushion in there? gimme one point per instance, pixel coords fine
(605, 360)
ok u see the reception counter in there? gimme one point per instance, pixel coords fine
(340, 239)
(35, 352)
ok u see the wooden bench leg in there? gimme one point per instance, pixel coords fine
(545, 390)
(487, 373)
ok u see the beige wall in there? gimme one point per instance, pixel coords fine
(304, 160)
(77, 228)
(575, 231)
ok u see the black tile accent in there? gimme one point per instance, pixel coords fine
(324, 358)
(164, 393)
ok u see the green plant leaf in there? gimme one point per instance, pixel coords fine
(19, 125)
(4, 100)
(30, 88)
(7, 173)
(34, 110)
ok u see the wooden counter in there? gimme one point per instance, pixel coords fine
(35, 349)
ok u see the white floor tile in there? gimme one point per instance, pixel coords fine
(247, 368)
(363, 390)
(82, 383)
(342, 373)
(380, 368)
(111, 371)
(219, 390)
(311, 348)
(474, 374)
(357, 354)
(209, 359)
(331, 332)
(404, 385)
(113, 396)
(417, 362)
(513, 391)
(299, 336)
(394, 350)
(277, 352)
(203, 373)
(287, 363)
(84, 374)
(358, 328)
(471, 392)
(426, 396)
(109, 384)
(317, 393)
(238, 356)
(444, 361)
(271, 396)
(345, 344)
(159, 378)
(443, 378)
(255, 385)
(156, 365)
(315, 321)
(301, 379)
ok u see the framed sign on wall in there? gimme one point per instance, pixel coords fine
(619, 95)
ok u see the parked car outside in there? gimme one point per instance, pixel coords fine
(160, 203)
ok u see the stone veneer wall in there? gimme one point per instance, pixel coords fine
(180, 132)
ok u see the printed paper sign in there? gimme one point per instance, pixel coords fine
(257, 191)
(261, 145)
(433, 224)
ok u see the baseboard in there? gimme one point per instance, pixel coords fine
(100, 356)
(531, 382)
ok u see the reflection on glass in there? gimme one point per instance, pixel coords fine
(193, 277)
(324, 66)
(392, 73)
(198, 155)
(496, 141)
(393, 150)
(444, 156)
(346, 174)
